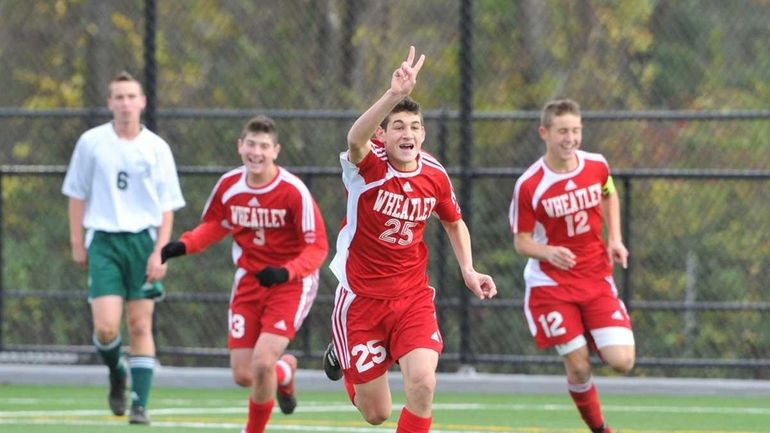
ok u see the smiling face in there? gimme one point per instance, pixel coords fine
(403, 136)
(562, 140)
(258, 151)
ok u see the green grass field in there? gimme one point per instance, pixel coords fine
(30, 409)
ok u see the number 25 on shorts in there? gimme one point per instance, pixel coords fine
(369, 354)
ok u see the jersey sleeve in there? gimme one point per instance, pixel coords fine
(447, 207)
(204, 235)
(169, 191)
(77, 181)
(213, 227)
(521, 214)
(311, 230)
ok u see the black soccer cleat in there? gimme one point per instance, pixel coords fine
(138, 415)
(287, 401)
(603, 429)
(117, 395)
(331, 364)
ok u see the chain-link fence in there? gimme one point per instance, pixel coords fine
(674, 95)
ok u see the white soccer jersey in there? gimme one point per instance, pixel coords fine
(126, 184)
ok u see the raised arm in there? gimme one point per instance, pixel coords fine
(401, 85)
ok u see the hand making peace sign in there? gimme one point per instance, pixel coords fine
(405, 77)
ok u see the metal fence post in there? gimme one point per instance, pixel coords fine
(150, 66)
(466, 159)
(2, 267)
(626, 229)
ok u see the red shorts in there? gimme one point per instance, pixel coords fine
(279, 310)
(372, 334)
(559, 314)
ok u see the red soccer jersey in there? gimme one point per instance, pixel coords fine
(277, 224)
(380, 247)
(563, 209)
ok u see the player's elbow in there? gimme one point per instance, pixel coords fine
(518, 246)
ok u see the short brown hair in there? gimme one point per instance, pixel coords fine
(408, 105)
(123, 76)
(558, 107)
(259, 124)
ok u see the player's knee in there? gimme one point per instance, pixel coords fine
(375, 411)
(421, 387)
(623, 363)
(243, 377)
(105, 334)
(579, 371)
(139, 328)
(376, 416)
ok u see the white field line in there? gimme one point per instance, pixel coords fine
(234, 426)
(320, 407)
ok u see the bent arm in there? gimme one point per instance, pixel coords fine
(616, 251)
(309, 260)
(560, 257)
(365, 126)
(460, 239)
(525, 245)
(481, 285)
(402, 83)
(611, 210)
(202, 236)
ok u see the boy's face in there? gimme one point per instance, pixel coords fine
(563, 138)
(403, 139)
(126, 101)
(258, 152)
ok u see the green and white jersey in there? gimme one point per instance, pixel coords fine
(126, 184)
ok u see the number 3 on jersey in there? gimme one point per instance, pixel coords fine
(368, 354)
(259, 236)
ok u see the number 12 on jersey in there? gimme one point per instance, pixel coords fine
(577, 223)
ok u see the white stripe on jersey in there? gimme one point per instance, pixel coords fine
(308, 211)
(216, 188)
(356, 185)
(514, 209)
(379, 151)
(309, 291)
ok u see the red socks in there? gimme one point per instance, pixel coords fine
(281, 371)
(259, 414)
(411, 423)
(586, 399)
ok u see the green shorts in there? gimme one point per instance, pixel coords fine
(117, 264)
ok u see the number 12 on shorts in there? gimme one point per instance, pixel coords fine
(551, 324)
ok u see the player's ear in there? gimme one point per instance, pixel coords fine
(379, 132)
(543, 131)
(277, 149)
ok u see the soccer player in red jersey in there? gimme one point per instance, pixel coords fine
(384, 311)
(279, 244)
(556, 215)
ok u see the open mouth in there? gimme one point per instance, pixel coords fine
(256, 161)
(406, 146)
